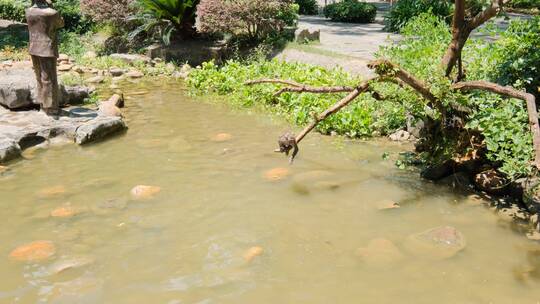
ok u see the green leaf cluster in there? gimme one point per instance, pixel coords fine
(361, 118)
(405, 10)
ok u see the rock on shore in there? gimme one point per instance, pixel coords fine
(17, 87)
(24, 129)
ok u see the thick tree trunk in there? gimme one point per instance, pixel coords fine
(461, 30)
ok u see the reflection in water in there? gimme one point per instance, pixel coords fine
(226, 226)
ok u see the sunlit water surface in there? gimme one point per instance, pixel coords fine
(187, 244)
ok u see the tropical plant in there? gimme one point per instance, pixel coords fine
(161, 18)
(352, 11)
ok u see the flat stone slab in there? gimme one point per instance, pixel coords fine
(24, 129)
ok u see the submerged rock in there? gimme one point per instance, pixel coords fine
(221, 137)
(276, 174)
(252, 253)
(436, 243)
(305, 182)
(34, 251)
(142, 192)
(380, 252)
(386, 205)
(64, 211)
(54, 191)
(69, 263)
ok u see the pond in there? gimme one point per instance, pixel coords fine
(223, 229)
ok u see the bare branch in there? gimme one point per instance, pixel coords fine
(510, 92)
(361, 88)
(490, 12)
(318, 90)
(387, 69)
(280, 81)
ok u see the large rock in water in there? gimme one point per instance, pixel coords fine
(20, 130)
(17, 90)
(436, 243)
(99, 128)
(9, 149)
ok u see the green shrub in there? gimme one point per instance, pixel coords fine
(13, 10)
(69, 9)
(352, 11)
(359, 119)
(525, 4)
(404, 10)
(517, 56)
(307, 7)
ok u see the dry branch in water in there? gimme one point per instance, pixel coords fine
(390, 72)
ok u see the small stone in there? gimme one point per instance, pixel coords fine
(63, 57)
(109, 109)
(386, 205)
(35, 251)
(69, 263)
(134, 74)
(303, 35)
(400, 135)
(115, 72)
(186, 68)
(95, 79)
(491, 181)
(65, 211)
(380, 252)
(54, 191)
(276, 174)
(436, 243)
(476, 200)
(142, 192)
(533, 235)
(65, 67)
(220, 137)
(252, 253)
(7, 63)
(78, 69)
(90, 55)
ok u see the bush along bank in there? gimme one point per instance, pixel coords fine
(490, 145)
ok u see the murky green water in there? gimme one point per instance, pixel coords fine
(187, 245)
